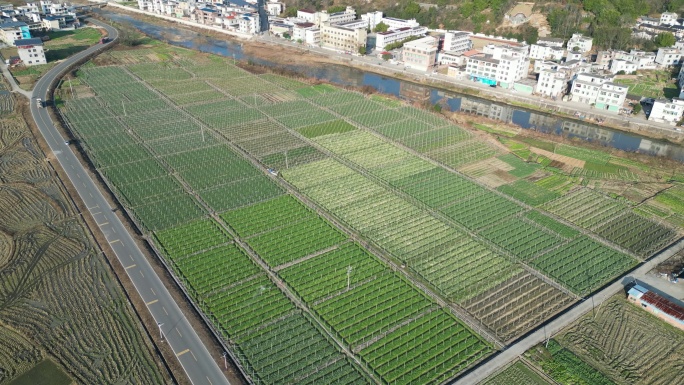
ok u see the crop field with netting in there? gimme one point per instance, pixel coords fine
(613, 221)
(583, 264)
(350, 289)
(188, 142)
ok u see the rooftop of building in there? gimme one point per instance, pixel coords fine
(13, 24)
(486, 58)
(659, 302)
(472, 52)
(32, 41)
(460, 33)
(305, 25)
(305, 10)
(551, 39)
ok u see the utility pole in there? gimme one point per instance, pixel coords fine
(124, 107)
(225, 360)
(287, 166)
(349, 270)
(161, 335)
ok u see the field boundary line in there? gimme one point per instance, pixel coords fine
(307, 257)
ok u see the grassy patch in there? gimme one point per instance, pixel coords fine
(327, 128)
(567, 368)
(527, 192)
(652, 84)
(494, 131)
(548, 146)
(46, 372)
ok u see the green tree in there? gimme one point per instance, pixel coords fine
(665, 39)
(637, 109)
(411, 10)
(286, 35)
(386, 56)
(381, 27)
(362, 50)
(336, 8)
(290, 12)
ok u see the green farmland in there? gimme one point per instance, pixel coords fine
(328, 236)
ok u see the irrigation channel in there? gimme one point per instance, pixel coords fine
(347, 76)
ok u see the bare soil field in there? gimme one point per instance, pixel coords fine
(628, 344)
(58, 297)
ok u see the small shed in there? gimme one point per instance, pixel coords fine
(661, 307)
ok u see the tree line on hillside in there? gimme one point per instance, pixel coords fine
(609, 22)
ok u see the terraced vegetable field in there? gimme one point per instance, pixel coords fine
(196, 179)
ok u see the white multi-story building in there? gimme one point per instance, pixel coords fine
(299, 31)
(249, 23)
(552, 83)
(345, 16)
(545, 52)
(643, 60)
(306, 15)
(611, 96)
(14, 30)
(668, 18)
(274, 8)
(313, 36)
(30, 51)
(383, 39)
(598, 91)
(668, 56)
(667, 111)
(503, 64)
(514, 62)
(457, 42)
(372, 18)
(341, 38)
(626, 66)
(585, 87)
(420, 54)
(483, 69)
(580, 41)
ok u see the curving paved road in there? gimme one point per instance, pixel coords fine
(193, 356)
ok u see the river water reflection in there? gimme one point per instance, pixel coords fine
(344, 75)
